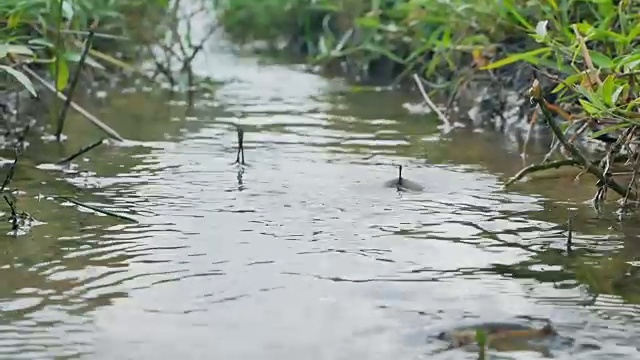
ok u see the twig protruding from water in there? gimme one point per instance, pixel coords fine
(74, 82)
(84, 150)
(431, 104)
(14, 215)
(240, 146)
(569, 235)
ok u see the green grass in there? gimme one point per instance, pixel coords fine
(49, 35)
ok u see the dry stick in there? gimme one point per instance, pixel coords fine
(540, 167)
(569, 235)
(575, 153)
(73, 85)
(431, 104)
(95, 121)
(96, 209)
(80, 152)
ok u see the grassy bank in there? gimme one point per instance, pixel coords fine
(50, 52)
(579, 58)
(55, 37)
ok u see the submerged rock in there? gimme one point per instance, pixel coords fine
(504, 336)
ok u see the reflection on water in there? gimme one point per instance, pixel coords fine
(303, 253)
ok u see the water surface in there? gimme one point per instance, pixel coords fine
(302, 253)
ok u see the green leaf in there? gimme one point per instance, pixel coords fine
(609, 129)
(616, 94)
(22, 78)
(589, 107)
(14, 20)
(15, 49)
(607, 89)
(368, 22)
(567, 82)
(481, 337)
(632, 60)
(528, 56)
(601, 60)
(42, 41)
(62, 76)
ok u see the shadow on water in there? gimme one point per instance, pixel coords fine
(304, 253)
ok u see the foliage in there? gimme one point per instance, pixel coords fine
(438, 37)
(50, 33)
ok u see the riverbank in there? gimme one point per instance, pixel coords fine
(71, 48)
(52, 53)
(581, 53)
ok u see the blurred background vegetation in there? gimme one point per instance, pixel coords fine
(48, 35)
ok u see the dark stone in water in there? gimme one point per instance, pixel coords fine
(403, 184)
(501, 335)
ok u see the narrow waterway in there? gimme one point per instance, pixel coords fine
(303, 253)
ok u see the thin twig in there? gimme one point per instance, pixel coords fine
(433, 106)
(240, 146)
(96, 209)
(73, 84)
(540, 167)
(569, 235)
(80, 152)
(14, 215)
